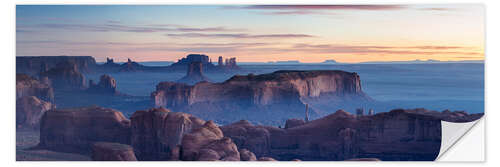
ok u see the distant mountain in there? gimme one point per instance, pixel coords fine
(329, 62)
(418, 61)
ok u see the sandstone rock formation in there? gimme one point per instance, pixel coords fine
(246, 155)
(194, 74)
(257, 139)
(447, 115)
(66, 76)
(29, 111)
(105, 151)
(34, 65)
(75, 129)
(156, 132)
(267, 159)
(208, 143)
(280, 94)
(29, 86)
(131, 66)
(395, 135)
(106, 85)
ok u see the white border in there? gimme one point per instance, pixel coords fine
(7, 116)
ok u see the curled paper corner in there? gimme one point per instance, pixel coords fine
(452, 133)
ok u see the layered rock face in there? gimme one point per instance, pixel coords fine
(194, 74)
(396, 135)
(29, 111)
(208, 143)
(106, 85)
(29, 86)
(105, 151)
(279, 92)
(77, 128)
(65, 76)
(156, 132)
(37, 64)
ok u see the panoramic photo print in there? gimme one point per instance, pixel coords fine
(245, 82)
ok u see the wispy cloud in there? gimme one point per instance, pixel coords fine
(297, 12)
(325, 7)
(116, 27)
(437, 9)
(312, 9)
(239, 35)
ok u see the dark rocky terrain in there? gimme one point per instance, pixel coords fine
(203, 121)
(396, 135)
(105, 151)
(76, 129)
(159, 134)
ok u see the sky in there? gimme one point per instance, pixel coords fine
(253, 33)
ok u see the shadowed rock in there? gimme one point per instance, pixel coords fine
(409, 135)
(267, 159)
(75, 129)
(34, 65)
(194, 74)
(156, 132)
(105, 151)
(65, 75)
(106, 85)
(207, 143)
(290, 123)
(29, 86)
(29, 111)
(131, 66)
(246, 155)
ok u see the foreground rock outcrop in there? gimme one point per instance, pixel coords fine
(409, 135)
(208, 143)
(276, 95)
(65, 76)
(156, 132)
(105, 151)
(29, 111)
(194, 74)
(75, 129)
(29, 86)
(246, 155)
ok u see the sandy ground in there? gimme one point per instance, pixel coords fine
(27, 139)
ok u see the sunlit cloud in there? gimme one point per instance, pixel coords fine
(240, 35)
(325, 7)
